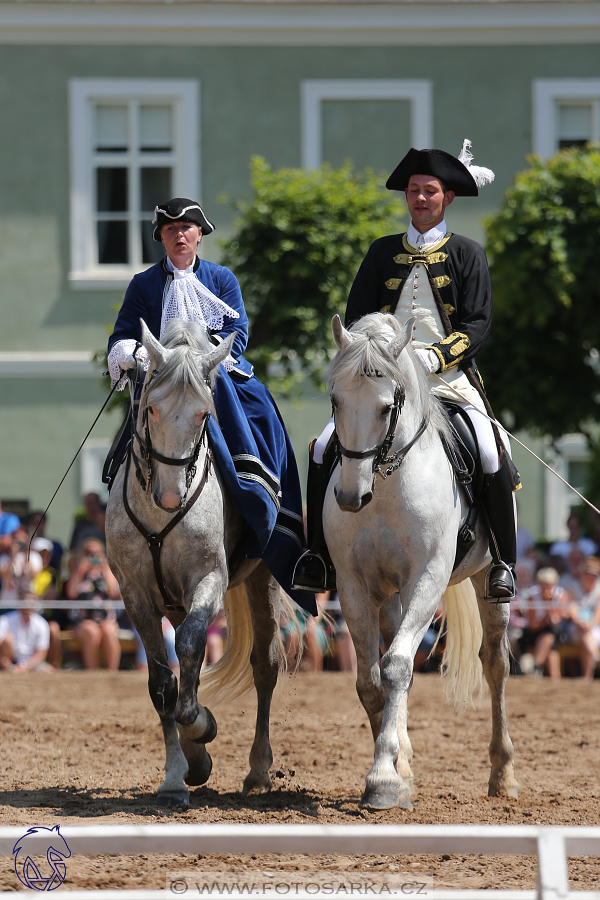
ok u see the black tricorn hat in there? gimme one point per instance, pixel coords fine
(449, 169)
(179, 209)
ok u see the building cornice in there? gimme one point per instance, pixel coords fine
(299, 23)
(57, 364)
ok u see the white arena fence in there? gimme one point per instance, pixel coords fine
(551, 845)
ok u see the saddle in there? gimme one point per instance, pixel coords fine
(465, 459)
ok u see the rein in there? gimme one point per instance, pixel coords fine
(148, 453)
(381, 453)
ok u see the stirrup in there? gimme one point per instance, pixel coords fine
(507, 597)
(316, 582)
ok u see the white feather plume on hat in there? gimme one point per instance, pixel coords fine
(480, 174)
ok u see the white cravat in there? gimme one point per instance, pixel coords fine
(190, 300)
(422, 241)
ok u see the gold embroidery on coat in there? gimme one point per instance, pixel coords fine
(385, 309)
(456, 343)
(449, 308)
(393, 283)
(441, 281)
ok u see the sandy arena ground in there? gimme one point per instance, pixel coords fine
(86, 748)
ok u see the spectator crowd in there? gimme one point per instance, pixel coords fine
(554, 624)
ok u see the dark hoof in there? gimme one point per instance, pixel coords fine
(385, 799)
(199, 770)
(172, 800)
(211, 731)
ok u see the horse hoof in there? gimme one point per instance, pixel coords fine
(512, 791)
(258, 783)
(385, 798)
(172, 799)
(199, 771)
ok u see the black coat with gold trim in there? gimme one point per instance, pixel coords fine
(458, 272)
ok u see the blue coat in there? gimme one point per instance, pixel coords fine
(251, 444)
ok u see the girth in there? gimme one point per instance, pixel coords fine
(155, 541)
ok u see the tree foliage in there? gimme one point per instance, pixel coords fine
(542, 361)
(298, 243)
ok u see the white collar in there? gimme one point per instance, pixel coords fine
(173, 268)
(433, 236)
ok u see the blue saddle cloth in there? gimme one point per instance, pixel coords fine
(257, 462)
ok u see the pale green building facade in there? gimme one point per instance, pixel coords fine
(109, 107)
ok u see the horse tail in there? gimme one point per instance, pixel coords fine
(231, 677)
(461, 665)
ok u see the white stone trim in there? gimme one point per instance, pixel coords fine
(547, 93)
(57, 364)
(184, 94)
(313, 93)
(558, 499)
(295, 24)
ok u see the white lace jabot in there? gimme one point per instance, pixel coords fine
(187, 299)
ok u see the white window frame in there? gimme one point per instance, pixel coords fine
(90, 471)
(313, 93)
(558, 497)
(84, 93)
(547, 94)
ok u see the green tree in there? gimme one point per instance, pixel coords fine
(297, 245)
(542, 363)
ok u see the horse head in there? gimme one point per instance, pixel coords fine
(367, 388)
(175, 403)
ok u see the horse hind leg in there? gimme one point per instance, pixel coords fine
(495, 661)
(264, 596)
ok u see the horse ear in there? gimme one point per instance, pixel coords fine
(157, 352)
(219, 353)
(341, 336)
(396, 347)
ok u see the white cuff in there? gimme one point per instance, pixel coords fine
(429, 360)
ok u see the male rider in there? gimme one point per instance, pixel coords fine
(442, 280)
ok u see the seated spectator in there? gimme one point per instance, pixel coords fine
(570, 580)
(45, 582)
(215, 639)
(24, 638)
(546, 628)
(8, 525)
(339, 632)
(16, 571)
(588, 616)
(92, 525)
(312, 635)
(97, 629)
(517, 622)
(37, 523)
(562, 549)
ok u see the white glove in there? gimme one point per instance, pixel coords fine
(121, 359)
(429, 360)
(128, 363)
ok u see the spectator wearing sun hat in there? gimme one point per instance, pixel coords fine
(550, 613)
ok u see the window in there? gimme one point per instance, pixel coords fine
(566, 113)
(134, 143)
(92, 461)
(323, 100)
(571, 462)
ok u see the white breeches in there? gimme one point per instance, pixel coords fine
(483, 429)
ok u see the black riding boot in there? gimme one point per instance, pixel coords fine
(497, 499)
(314, 570)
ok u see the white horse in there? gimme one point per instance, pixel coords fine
(392, 540)
(183, 516)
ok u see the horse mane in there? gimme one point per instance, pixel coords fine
(183, 371)
(368, 353)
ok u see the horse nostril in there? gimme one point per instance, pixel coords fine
(366, 498)
(335, 490)
(170, 501)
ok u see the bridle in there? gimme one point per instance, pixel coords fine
(147, 454)
(381, 453)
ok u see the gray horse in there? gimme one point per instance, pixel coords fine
(182, 485)
(391, 518)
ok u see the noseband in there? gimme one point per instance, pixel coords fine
(381, 453)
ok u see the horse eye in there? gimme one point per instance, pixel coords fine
(385, 411)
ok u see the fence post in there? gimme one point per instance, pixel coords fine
(553, 879)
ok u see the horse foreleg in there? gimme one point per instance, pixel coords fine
(264, 599)
(495, 661)
(390, 618)
(196, 723)
(162, 686)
